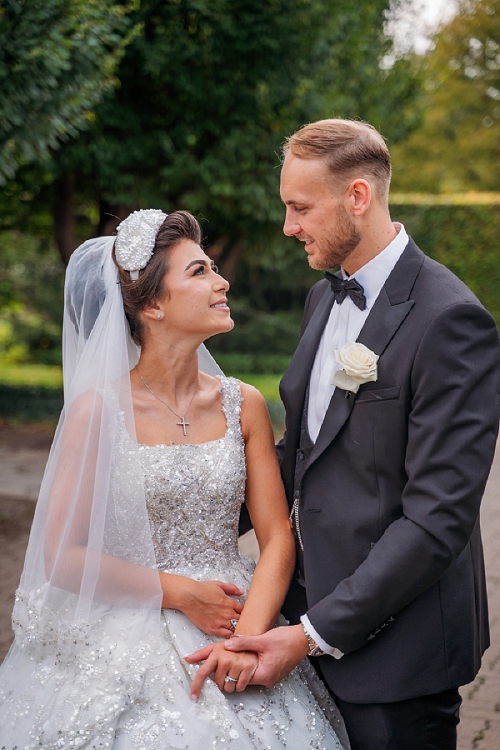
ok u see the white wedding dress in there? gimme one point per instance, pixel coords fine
(89, 690)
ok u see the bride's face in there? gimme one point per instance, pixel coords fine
(195, 300)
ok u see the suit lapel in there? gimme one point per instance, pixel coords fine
(388, 313)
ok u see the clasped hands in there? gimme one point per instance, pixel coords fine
(249, 660)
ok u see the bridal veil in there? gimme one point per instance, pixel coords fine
(90, 590)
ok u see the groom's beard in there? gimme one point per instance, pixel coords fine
(337, 248)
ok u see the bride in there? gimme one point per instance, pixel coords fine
(133, 558)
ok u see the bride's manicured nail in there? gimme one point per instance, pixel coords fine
(193, 698)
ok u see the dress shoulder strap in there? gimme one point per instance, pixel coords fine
(231, 404)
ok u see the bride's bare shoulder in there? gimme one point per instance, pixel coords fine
(254, 413)
(252, 396)
(85, 408)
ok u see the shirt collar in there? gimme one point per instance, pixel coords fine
(373, 275)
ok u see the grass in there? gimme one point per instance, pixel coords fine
(45, 376)
(266, 384)
(41, 376)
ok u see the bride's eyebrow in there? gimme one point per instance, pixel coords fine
(196, 262)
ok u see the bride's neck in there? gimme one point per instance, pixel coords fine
(171, 368)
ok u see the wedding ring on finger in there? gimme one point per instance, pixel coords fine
(232, 624)
(230, 679)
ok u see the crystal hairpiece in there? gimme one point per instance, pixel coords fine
(135, 239)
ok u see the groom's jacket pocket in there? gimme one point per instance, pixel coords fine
(378, 394)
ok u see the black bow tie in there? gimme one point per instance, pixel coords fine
(350, 287)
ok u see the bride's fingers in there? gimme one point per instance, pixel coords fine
(229, 685)
(200, 655)
(230, 612)
(230, 589)
(224, 632)
(244, 678)
(233, 609)
(221, 675)
(201, 675)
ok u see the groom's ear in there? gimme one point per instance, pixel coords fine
(359, 197)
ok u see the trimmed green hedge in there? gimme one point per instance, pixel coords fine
(21, 404)
(465, 238)
(27, 403)
(268, 294)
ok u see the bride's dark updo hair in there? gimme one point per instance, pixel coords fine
(150, 286)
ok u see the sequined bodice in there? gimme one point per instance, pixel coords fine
(194, 494)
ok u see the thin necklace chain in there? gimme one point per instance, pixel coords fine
(183, 422)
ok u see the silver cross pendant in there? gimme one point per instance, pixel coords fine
(183, 424)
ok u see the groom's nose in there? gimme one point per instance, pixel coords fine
(291, 227)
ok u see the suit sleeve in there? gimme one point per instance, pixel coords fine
(452, 430)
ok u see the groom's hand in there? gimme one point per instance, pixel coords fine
(279, 651)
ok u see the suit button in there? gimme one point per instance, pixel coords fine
(301, 456)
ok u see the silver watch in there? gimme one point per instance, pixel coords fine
(314, 649)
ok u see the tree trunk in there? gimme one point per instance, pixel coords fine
(110, 215)
(227, 266)
(63, 215)
(226, 254)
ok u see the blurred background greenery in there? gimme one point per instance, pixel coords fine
(109, 106)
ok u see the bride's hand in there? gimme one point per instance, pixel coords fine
(220, 667)
(210, 606)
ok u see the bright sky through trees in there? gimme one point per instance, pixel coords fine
(417, 20)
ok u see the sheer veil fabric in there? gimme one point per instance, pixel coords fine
(90, 563)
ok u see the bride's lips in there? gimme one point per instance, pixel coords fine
(220, 305)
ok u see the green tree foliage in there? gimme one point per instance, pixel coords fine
(209, 91)
(31, 290)
(57, 58)
(457, 146)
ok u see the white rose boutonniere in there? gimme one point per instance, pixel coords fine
(359, 366)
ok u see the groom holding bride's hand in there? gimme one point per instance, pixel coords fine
(392, 413)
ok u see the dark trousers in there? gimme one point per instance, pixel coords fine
(426, 723)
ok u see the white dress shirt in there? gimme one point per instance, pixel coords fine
(345, 324)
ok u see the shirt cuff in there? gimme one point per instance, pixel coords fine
(324, 646)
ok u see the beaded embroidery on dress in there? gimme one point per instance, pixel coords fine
(87, 691)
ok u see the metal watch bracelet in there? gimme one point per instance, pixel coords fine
(314, 649)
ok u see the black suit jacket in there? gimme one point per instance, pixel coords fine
(389, 501)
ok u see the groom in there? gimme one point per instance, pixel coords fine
(385, 457)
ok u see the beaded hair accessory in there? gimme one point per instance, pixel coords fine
(135, 239)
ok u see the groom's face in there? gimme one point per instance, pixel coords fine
(316, 212)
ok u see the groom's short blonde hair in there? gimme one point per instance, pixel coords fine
(351, 148)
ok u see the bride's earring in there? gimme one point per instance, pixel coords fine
(159, 316)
